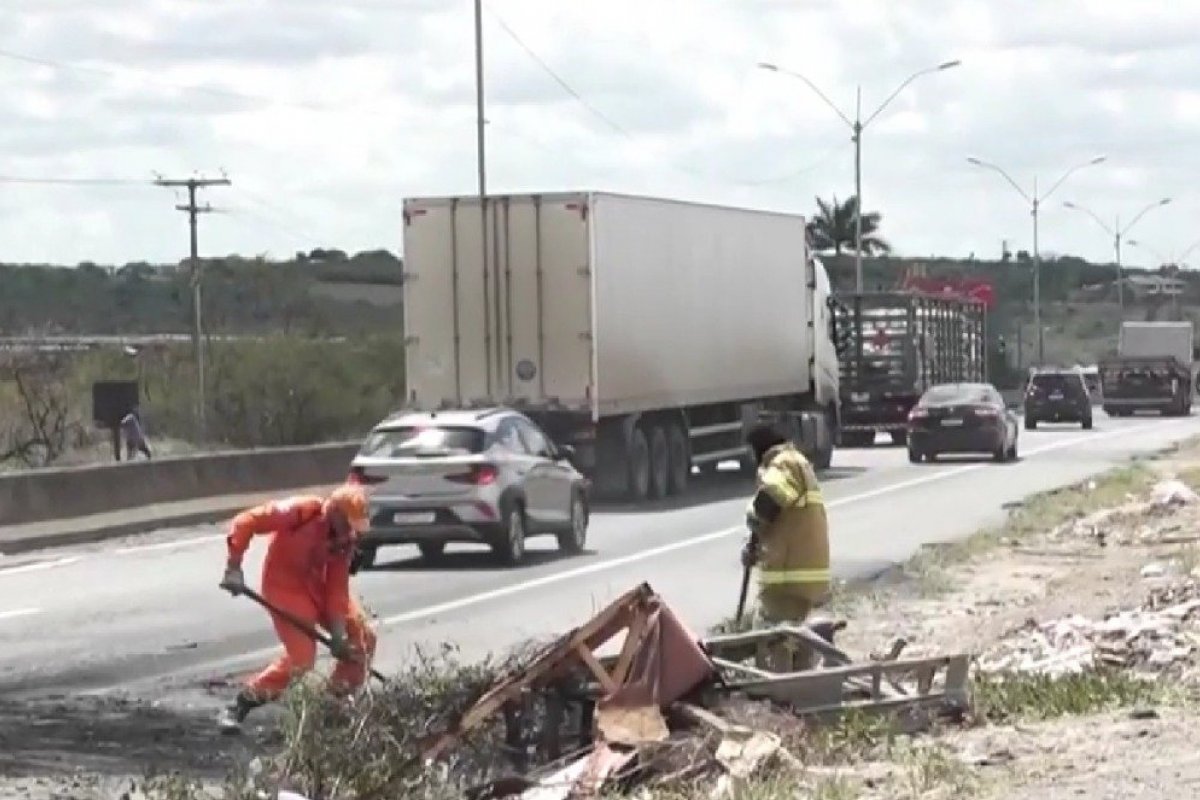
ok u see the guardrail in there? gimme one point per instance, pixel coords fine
(65, 492)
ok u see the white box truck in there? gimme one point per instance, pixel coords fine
(1151, 371)
(647, 334)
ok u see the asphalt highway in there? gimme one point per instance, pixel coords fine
(144, 615)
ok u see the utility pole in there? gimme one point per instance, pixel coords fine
(481, 165)
(196, 277)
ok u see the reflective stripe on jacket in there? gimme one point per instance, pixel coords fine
(795, 547)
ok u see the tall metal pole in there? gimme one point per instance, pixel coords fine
(1035, 202)
(1120, 274)
(481, 164)
(1117, 232)
(1037, 282)
(858, 202)
(857, 126)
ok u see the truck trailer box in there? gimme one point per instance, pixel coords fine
(603, 303)
(1156, 340)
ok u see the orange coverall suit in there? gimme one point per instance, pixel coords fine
(301, 575)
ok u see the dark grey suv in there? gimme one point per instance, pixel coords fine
(1057, 395)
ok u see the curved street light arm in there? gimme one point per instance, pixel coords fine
(1143, 213)
(816, 90)
(904, 85)
(1068, 174)
(988, 165)
(1094, 216)
(1187, 251)
(1151, 250)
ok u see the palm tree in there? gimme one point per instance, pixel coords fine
(833, 228)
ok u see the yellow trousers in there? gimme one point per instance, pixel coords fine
(783, 605)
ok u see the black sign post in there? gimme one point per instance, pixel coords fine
(111, 401)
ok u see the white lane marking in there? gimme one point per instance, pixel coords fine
(18, 612)
(38, 566)
(643, 555)
(171, 545)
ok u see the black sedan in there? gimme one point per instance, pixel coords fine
(961, 418)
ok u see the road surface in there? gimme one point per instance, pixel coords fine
(143, 616)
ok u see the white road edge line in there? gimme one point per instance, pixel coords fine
(633, 558)
(18, 612)
(38, 566)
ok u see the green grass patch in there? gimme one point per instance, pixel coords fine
(1019, 696)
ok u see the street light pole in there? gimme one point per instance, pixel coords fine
(856, 127)
(1035, 201)
(1118, 233)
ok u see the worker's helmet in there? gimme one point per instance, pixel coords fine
(351, 500)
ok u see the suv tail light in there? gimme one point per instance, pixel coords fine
(987, 412)
(917, 413)
(477, 475)
(359, 476)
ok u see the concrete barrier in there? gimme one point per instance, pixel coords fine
(66, 492)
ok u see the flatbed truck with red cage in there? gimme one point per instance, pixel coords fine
(892, 346)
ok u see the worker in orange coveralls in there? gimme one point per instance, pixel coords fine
(307, 573)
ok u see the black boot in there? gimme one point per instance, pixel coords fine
(232, 717)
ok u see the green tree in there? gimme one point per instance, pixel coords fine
(833, 228)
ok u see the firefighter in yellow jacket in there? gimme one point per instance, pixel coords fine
(789, 537)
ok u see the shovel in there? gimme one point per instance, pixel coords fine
(301, 625)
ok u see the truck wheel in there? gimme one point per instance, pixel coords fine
(637, 480)
(660, 463)
(680, 462)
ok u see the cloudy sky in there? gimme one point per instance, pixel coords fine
(325, 116)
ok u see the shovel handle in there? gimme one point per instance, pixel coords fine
(302, 626)
(741, 606)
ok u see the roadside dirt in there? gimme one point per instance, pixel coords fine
(101, 747)
(990, 604)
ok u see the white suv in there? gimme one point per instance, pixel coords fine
(477, 476)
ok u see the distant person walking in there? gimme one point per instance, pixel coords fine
(135, 437)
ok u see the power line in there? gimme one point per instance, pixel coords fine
(76, 181)
(622, 131)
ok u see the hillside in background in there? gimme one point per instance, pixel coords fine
(1080, 312)
(330, 293)
(322, 293)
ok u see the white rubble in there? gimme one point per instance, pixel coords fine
(1157, 637)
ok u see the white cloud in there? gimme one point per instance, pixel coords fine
(326, 116)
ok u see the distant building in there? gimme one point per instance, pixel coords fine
(1155, 285)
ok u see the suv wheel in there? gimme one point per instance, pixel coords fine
(914, 455)
(1030, 424)
(510, 549)
(1087, 422)
(574, 540)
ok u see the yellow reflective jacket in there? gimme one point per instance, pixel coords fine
(794, 549)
